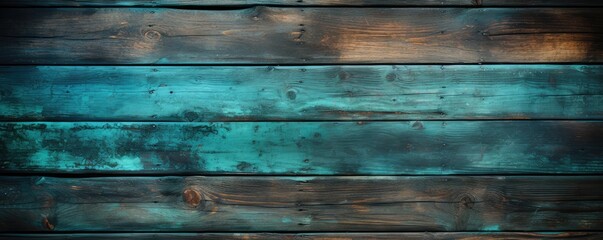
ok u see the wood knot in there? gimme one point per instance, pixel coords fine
(467, 201)
(418, 125)
(191, 116)
(191, 197)
(152, 35)
(344, 76)
(391, 77)
(291, 94)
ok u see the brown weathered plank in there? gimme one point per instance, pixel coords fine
(305, 148)
(272, 35)
(317, 236)
(550, 3)
(393, 3)
(241, 3)
(402, 92)
(300, 204)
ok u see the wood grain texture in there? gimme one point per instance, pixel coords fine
(316, 236)
(314, 148)
(302, 204)
(272, 35)
(393, 3)
(408, 92)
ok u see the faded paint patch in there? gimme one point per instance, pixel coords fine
(491, 228)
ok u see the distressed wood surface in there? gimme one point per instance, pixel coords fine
(317, 236)
(410, 92)
(301, 204)
(314, 148)
(393, 3)
(272, 35)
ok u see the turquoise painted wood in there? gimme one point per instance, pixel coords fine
(302, 204)
(314, 148)
(284, 35)
(314, 236)
(399, 92)
(172, 119)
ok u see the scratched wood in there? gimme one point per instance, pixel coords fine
(67, 93)
(273, 35)
(316, 236)
(315, 148)
(237, 3)
(299, 204)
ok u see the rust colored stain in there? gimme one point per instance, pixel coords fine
(47, 224)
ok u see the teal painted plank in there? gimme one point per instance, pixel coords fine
(302, 204)
(101, 93)
(315, 236)
(284, 35)
(368, 148)
(392, 3)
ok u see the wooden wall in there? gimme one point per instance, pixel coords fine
(301, 119)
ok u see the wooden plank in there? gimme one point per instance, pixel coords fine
(314, 148)
(310, 204)
(272, 35)
(409, 92)
(317, 236)
(238, 3)
(550, 3)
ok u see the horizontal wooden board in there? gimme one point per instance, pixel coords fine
(409, 92)
(393, 3)
(301, 204)
(313, 148)
(272, 35)
(316, 236)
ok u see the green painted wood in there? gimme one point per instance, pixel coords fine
(77, 3)
(273, 35)
(316, 236)
(302, 204)
(314, 148)
(67, 93)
